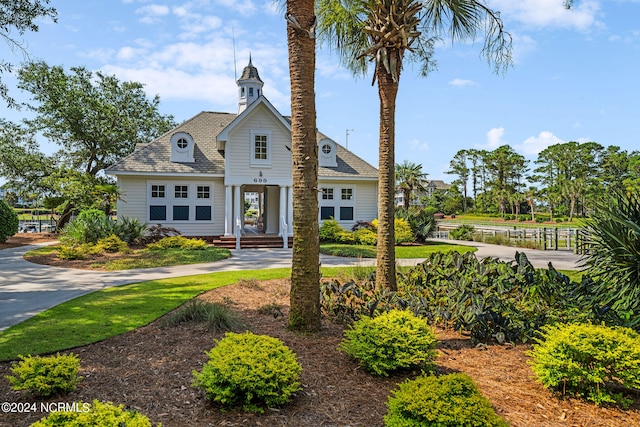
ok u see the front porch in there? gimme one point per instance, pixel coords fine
(252, 241)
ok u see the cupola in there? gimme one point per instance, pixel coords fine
(249, 86)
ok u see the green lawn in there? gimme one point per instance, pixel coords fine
(146, 258)
(114, 311)
(422, 251)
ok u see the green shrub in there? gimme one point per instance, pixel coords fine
(402, 230)
(88, 227)
(345, 237)
(45, 376)
(364, 236)
(329, 230)
(393, 340)
(130, 230)
(96, 414)
(462, 232)
(489, 298)
(249, 370)
(447, 401)
(79, 251)
(214, 316)
(177, 242)
(113, 244)
(613, 259)
(421, 221)
(587, 360)
(8, 221)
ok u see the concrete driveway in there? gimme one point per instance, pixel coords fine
(27, 289)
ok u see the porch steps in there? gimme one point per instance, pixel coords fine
(252, 241)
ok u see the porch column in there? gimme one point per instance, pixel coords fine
(237, 212)
(290, 211)
(228, 211)
(283, 210)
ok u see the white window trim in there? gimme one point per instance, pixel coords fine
(260, 162)
(169, 201)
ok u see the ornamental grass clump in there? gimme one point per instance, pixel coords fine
(45, 376)
(393, 340)
(447, 401)
(96, 414)
(250, 371)
(588, 361)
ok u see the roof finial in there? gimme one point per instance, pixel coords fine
(250, 63)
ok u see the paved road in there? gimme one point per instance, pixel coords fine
(27, 289)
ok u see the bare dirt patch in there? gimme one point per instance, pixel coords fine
(22, 239)
(150, 370)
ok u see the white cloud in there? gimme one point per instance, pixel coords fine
(151, 14)
(243, 7)
(549, 13)
(535, 144)
(461, 83)
(494, 139)
(415, 144)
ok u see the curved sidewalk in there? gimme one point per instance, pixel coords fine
(27, 289)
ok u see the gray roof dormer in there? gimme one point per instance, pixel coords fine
(182, 145)
(249, 85)
(327, 150)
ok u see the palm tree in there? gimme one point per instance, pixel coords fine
(409, 177)
(383, 31)
(305, 263)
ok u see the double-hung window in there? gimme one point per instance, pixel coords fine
(260, 148)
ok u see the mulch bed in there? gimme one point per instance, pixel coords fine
(150, 370)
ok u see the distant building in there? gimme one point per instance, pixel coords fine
(430, 186)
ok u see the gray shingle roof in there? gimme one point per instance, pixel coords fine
(154, 157)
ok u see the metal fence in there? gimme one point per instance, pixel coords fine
(545, 238)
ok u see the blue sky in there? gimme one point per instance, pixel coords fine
(575, 76)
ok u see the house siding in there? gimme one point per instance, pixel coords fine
(364, 202)
(136, 200)
(238, 152)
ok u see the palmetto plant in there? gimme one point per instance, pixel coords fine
(614, 256)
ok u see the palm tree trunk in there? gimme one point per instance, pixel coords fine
(386, 259)
(305, 263)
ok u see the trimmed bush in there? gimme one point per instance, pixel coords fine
(112, 244)
(45, 376)
(393, 340)
(8, 221)
(403, 232)
(329, 230)
(177, 242)
(96, 414)
(587, 360)
(345, 237)
(447, 401)
(364, 236)
(250, 371)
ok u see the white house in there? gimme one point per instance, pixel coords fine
(193, 178)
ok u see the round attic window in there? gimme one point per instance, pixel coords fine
(182, 143)
(326, 149)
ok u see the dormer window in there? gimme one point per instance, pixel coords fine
(327, 153)
(182, 143)
(182, 146)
